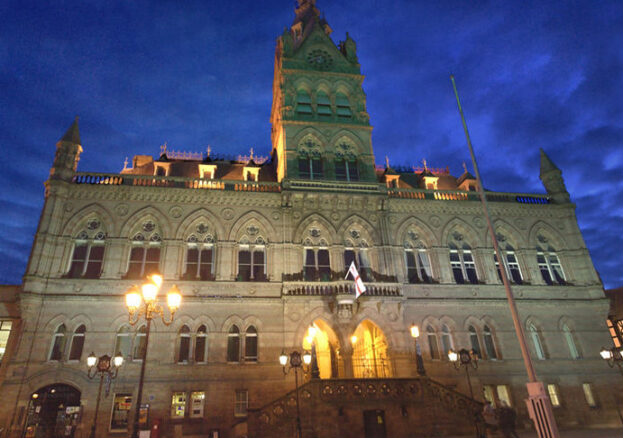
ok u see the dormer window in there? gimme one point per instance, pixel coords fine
(430, 182)
(161, 169)
(207, 171)
(251, 174)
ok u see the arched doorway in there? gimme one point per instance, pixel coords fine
(322, 342)
(53, 411)
(370, 352)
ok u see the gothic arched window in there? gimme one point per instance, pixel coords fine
(145, 252)
(58, 343)
(343, 106)
(433, 346)
(250, 345)
(77, 343)
(233, 344)
(511, 265)
(183, 352)
(201, 345)
(140, 343)
(574, 352)
(537, 341)
(88, 255)
(252, 262)
(462, 262)
(317, 264)
(303, 103)
(200, 255)
(123, 342)
(323, 104)
(489, 343)
(473, 339)
(549, 265)
(446, 340)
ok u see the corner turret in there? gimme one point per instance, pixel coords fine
(68, 150)
(551, 177)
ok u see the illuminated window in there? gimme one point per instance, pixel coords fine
(503, 394)
(537, 342)
(77, 343)
(58, 343)
(233, 344)
(489, 343)
(418, 265)
(201, 344)
(446, 340)
(199, 262)
(143, 261)
(123, 342)
(251, 263)
(178, 405)
(346, 170)
(462, 263)
(119, 420)
(554, 395)
(433, 347)
(183, 353)
(250, 345)
(197, 403)
(588, 395)
(550, 267)
(317, 265)
(242, 403)
(5, 331)
(571, 344)
(511, 265)
(613, 332)
(473, 339)
(140, 343)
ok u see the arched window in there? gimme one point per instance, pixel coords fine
(233, 344)
(462, 262)
(58, 343)
(473, 339)
(145, 252)
(88, 255)
(201, 344)
(123, 342)
(77, 343)
(361, 259)
(343, 106)
(323, 104)
(433, 347)
(346, 169)
(513, 271)
(446, 340)
(252, 263)
(570, 340)
(489, 343)
(250, 345)
(310, 166)
(537, 342)
(183, 353)
(139, 343)
(200, 256)
(550, 267)
(303, 103)
(418, 265)
(317, 265)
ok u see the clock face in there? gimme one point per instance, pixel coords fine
(319, 59)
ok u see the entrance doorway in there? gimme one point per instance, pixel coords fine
(374, 423)
(323, 344)
(53, 411)
(370, 357)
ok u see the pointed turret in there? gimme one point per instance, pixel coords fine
(68, 150)
(551, 177)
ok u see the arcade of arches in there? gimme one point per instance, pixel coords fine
(370, 358)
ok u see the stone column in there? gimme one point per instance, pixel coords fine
(115, 258)
(226, 261)
(445, 271)
(532, 273)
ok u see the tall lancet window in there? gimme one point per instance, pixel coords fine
(145, 251)
(88, 255)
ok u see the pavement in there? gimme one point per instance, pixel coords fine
(584, 433)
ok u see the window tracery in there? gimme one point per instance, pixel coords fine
(417, 259)
(462, 260)
(200, 253)
(145, 252)
(89, 247)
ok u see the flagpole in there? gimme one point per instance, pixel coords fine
(538, 403)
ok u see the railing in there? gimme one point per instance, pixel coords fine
(459, 195)
(324, 185)
(174, 182)
(343, 287)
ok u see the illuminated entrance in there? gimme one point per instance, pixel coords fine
(370, 358)
(324, 346)
(53, 411)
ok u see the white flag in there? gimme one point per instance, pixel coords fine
(359, 286)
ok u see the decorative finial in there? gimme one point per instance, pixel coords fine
(163, 148)
(386, 162)
(425, 165)
(125, 163)
(208, 150)
(251, 154)
(465, 167)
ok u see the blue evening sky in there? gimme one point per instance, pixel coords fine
(531, 74)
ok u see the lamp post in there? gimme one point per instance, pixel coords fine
(142, 302)
(466, 359)
(415, 333)
(296, 362)
(103, 366)
(613, 356)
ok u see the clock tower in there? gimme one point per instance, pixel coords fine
(320, 126)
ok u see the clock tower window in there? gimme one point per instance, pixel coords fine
(323, 105)
(343, 106)
(303, 103)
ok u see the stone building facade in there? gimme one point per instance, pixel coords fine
(259, 248)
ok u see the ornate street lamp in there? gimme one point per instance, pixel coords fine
(415, 333)
(142, 302)
(466, 359)
(296, 362)
(613, 356)
(104, 366)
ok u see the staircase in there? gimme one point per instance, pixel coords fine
(413, 407)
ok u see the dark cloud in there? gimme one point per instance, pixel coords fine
(530, 73)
